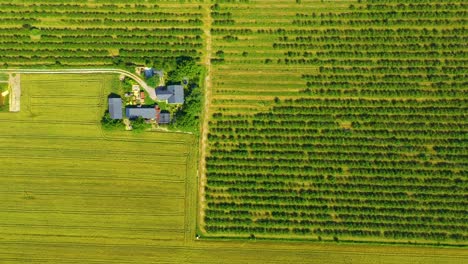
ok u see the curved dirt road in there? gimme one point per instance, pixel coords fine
(150, 90)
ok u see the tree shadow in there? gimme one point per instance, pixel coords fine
(113, 95)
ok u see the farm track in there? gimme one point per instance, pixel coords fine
(87, 138)
(207, 25)
(149, 90)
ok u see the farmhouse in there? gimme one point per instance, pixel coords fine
(146, 113)
(115, 107)
(172, 94)
(149, 113)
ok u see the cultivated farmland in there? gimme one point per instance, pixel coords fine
(105, 33)
(338, 120)
(73, 193)
(65, 178)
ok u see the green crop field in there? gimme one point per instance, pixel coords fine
(333, 132)
(55, 33)
(64, 179)
(338, 120)
(66, 176)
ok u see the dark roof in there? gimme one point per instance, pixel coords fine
(173, 94)
(146, 113)
(163, 94)
(178, 91)
(115, 108)
(149, 73)
(164, 118)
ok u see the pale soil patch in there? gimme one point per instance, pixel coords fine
(15, 94)
(128, 125)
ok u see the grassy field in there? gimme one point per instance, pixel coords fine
(65, 178)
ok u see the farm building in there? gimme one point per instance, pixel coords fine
(172, 94)
(146, 113)
(164, 118)
(115, 107)
(149, 72)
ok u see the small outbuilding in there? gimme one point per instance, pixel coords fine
(149, 72)
(115, 107)
(164, 118)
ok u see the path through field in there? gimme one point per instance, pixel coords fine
(207, 21)
(150, 90)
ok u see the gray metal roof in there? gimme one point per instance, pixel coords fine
(178, 91)
(115, 108)
(146, 113)
(164, 118)
(173, 94)
(163, 93)
(149, 73)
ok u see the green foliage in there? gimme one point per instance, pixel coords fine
(186, 68)
(108, 123)
(4, 101)
(140, 125)
(4, 105)
(188, 117)
(153, 81)
(127, 85)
